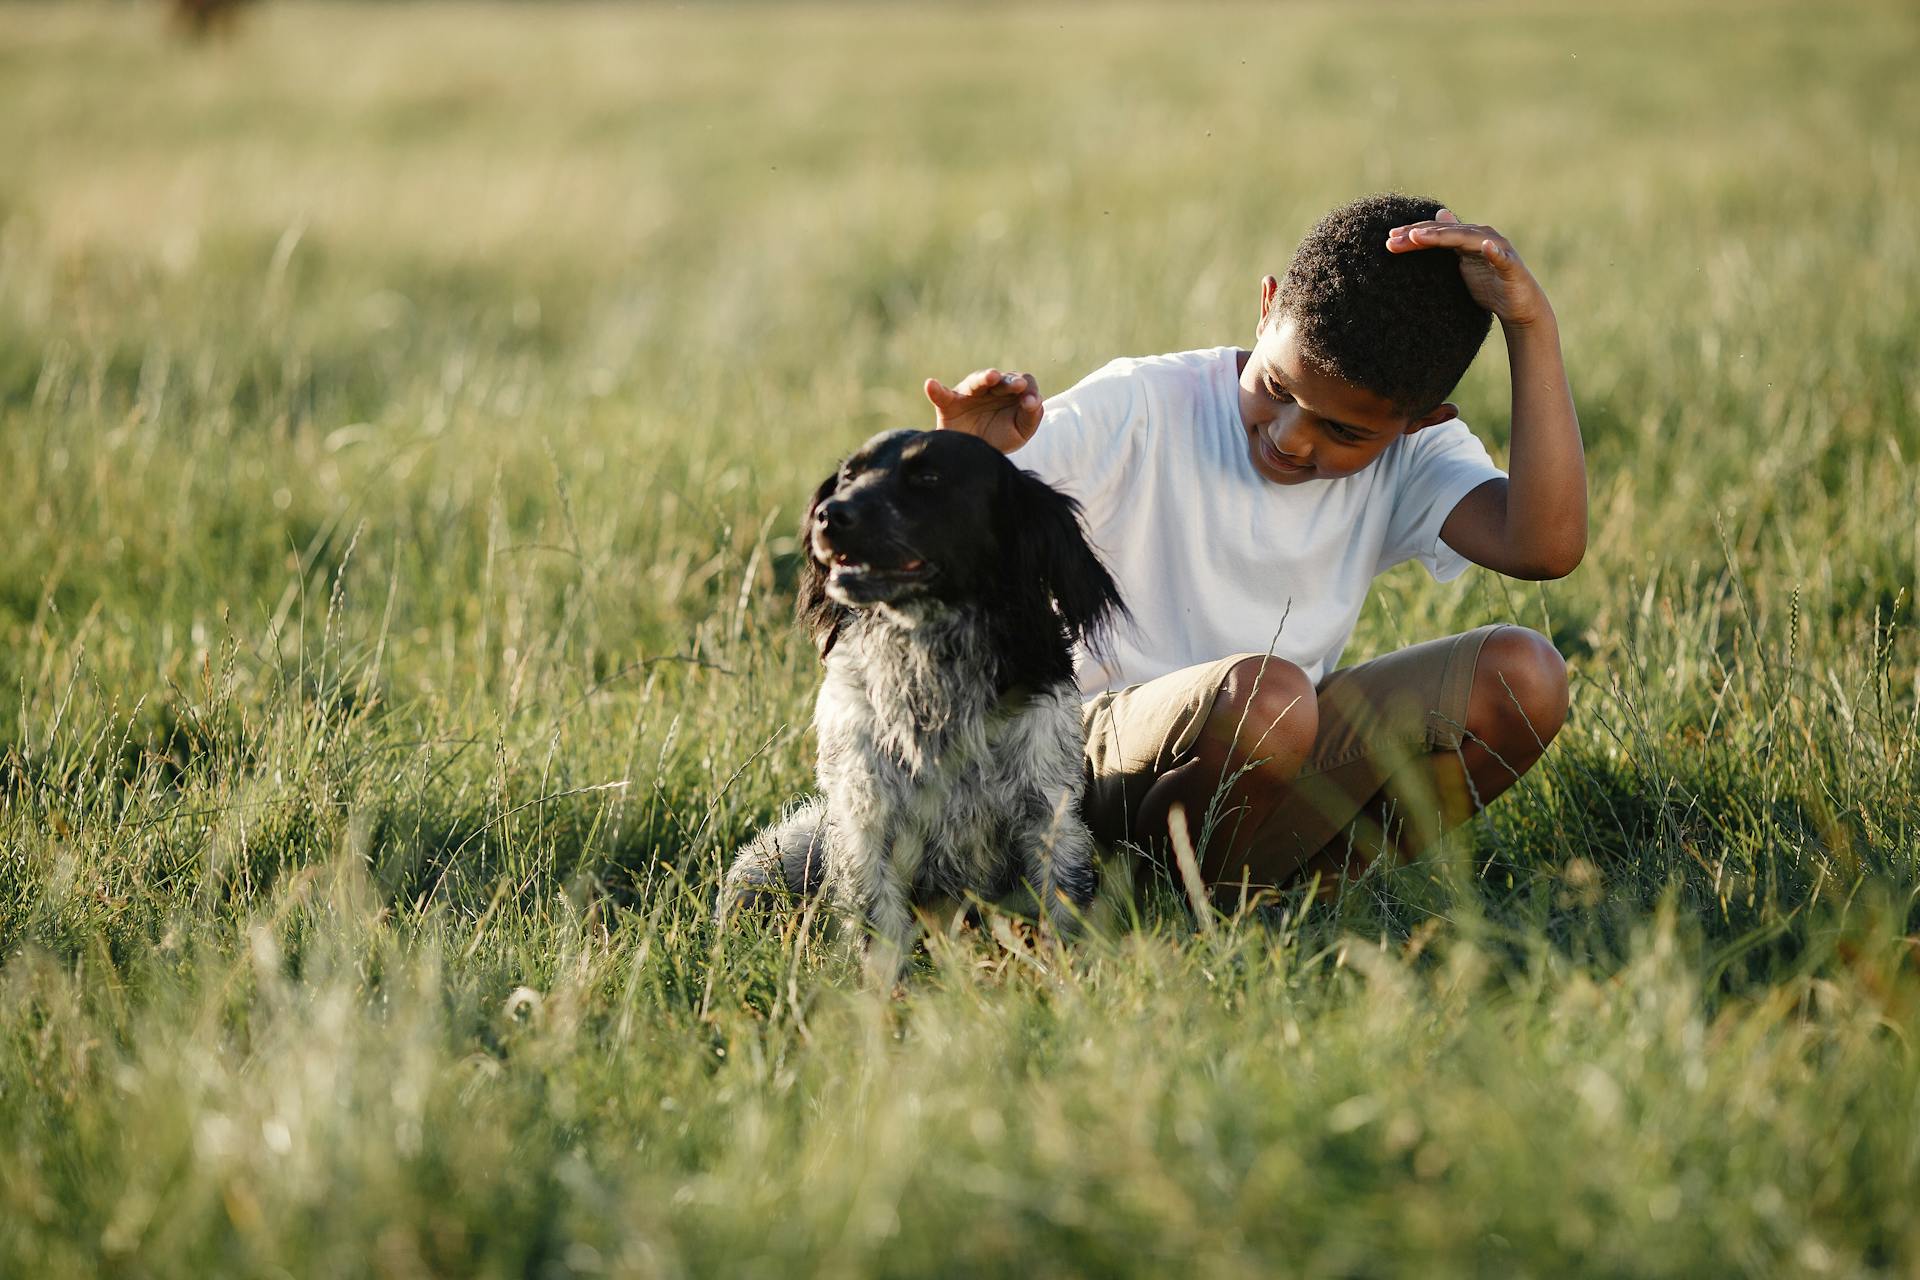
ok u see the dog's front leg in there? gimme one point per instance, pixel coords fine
(871, 888)
(1042, 760)
(1058, 860)
(889, 936)
(878, 910)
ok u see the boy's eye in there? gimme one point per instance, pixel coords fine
(1343, 434)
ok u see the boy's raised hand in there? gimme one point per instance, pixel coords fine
(1001, 408)
(1495, 276)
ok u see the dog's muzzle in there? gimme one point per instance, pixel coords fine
(864, 565)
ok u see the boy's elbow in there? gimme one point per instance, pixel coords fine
(1558, 569)
(1548, 563)
(1541, 559)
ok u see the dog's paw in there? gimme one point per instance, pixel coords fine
(781, 866)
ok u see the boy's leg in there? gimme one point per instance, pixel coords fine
(1409, 744)
(1224, 736)
(1254, 741)
(1517, 704)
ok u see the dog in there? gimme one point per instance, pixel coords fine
(945, 590)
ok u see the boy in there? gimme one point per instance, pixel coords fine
(1245, 500)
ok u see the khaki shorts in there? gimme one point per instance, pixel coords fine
(1375, 717)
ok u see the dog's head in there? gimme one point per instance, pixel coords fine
(944, 518)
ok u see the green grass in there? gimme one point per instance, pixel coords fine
(403, 416)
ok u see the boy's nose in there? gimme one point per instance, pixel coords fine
(1296, 442)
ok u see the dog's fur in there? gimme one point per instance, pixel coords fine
(945, 589)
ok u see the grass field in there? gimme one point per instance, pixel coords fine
(403, 417)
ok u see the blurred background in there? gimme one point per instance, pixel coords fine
(341, 261)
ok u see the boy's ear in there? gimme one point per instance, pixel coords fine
(1269, 289)
(1446, 411)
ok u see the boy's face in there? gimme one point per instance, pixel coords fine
(1303, 424)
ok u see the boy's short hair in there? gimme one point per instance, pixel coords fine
(1401, 325)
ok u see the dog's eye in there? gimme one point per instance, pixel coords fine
(925, 478)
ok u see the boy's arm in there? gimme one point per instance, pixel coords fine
(1001, 408)
(1534, 523)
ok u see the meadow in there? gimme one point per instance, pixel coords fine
(405, 413)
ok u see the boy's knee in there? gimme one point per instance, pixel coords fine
(1519, 690)
(1266, 716)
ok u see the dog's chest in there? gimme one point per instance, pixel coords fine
(918, 749)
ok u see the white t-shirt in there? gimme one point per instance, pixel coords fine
(1211, 558)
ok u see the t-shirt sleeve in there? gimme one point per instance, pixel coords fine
(1446, 463)
(1084, 439)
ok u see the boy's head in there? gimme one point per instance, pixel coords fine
(1401, 325)
(1358, 347)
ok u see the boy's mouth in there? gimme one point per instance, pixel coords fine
(1279, 461)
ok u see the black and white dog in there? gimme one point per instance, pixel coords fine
(945, 589)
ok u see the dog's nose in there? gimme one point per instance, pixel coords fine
(837, 515)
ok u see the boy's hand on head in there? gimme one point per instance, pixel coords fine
(1495, 276)
(1533, 524)
(1001, 408)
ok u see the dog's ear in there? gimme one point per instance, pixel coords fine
(819, 614)
(1052, 560)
